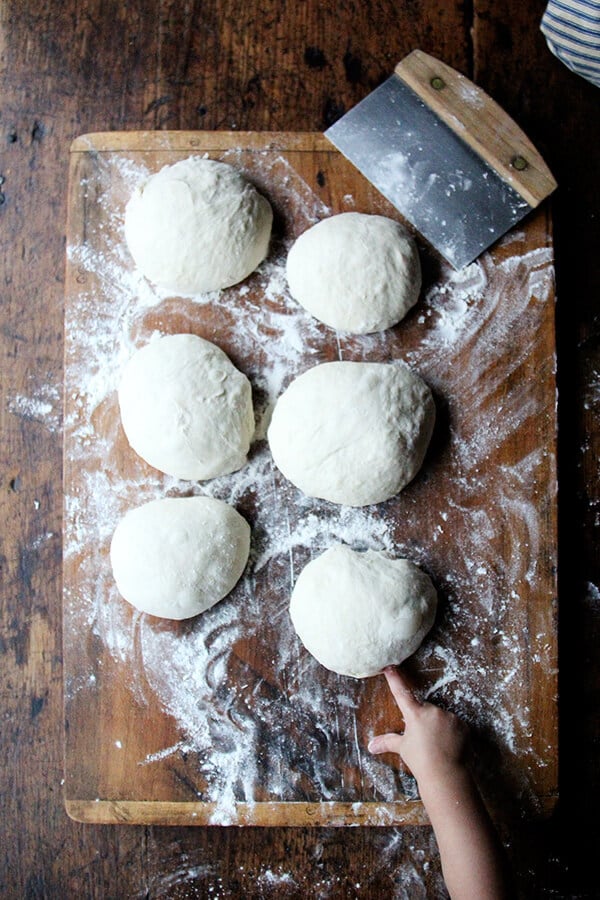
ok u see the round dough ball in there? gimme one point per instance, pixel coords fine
(186, 409)
(177, 557)
(360, 612)
(351, 432)
(355, 272)
(197, 225)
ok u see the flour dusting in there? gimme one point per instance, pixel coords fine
(42, 406)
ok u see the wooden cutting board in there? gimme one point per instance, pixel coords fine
(225, 719)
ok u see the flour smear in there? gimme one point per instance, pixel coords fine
(285, 729)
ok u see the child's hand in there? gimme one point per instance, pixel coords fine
(434, 741)
(433, 747)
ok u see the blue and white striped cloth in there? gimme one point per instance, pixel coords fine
(572, 32)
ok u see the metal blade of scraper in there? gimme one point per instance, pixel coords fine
(448, 158)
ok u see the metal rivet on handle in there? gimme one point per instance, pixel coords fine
(437, 83)
(519, 163)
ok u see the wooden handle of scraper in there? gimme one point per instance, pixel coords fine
(480, 122)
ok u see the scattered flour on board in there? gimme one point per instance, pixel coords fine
(223, 710)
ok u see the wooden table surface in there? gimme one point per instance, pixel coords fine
(94, 65)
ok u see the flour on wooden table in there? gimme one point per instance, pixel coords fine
(464, 310)
(42, 405)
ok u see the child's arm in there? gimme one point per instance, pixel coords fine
(433, 747)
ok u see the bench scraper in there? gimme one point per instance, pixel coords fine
(446, 155)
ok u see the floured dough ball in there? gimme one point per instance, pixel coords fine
(197, 225)
(357, 613)
(186, 409)
(351, 432)
(177, 557)
(355, 272)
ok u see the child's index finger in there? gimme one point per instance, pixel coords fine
(401, 691)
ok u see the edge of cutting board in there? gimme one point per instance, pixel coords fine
(110, 141)
(294, 814)
(276, 814)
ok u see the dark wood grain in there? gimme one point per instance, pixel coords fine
(98, 64)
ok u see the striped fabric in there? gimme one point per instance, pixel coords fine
(572, 32)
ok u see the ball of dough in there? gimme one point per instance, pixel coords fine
(186, 409)
(351, 432)
(177, 557)
(355, 272)
(360, 612)
(197, 225)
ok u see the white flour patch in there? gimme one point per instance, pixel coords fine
(269, 878)
(43, 406)
(592, 390)
(179, 747)
(41, 540)
(592, 598)
(162, 885)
